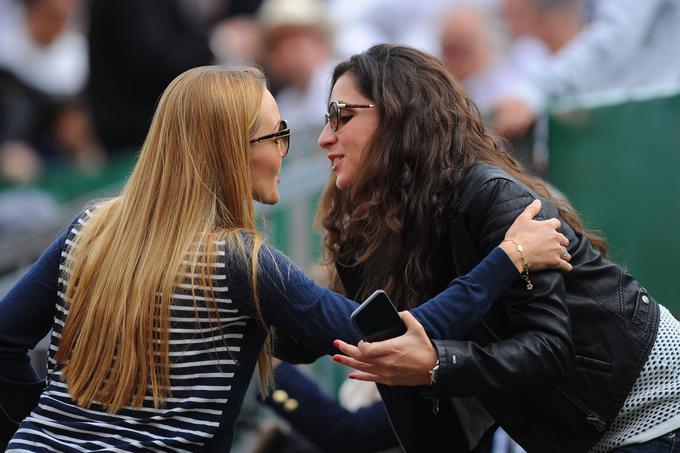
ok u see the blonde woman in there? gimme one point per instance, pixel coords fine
(161, 299)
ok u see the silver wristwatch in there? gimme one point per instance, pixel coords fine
(434, 373)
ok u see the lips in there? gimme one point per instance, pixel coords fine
(335, 159)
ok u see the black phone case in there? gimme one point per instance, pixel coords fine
(399, 328)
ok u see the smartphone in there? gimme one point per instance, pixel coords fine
(377, 319)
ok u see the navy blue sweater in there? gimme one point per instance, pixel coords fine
(201, 413)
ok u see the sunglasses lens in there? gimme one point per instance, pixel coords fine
(334, 115)
(285, 140)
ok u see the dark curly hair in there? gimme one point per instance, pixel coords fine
(391, 222)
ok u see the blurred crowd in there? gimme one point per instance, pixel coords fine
(79, 79)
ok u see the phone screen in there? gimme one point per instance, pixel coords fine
(376, 319)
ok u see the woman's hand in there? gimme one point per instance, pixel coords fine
(542, 245)
(403, 360)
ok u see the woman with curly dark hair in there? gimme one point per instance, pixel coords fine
(421, 192)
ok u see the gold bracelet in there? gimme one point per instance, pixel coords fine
(525, 266)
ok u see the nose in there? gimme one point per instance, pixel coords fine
(327, 137)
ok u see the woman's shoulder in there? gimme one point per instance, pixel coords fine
(238, 247)
(86, 214)
(80, 220)
(89, 209)
(485, 184)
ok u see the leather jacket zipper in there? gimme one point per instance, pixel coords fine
(591, 417)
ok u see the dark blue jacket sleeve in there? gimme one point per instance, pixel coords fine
(325, 422)
(451, 314)
(316, 316)
(26, 316)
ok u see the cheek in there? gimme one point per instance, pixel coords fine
(356, 153)
(258, 170)
(264, 166)
(253, 170)
(273, 167)
(277, 162)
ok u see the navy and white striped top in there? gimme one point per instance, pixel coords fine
(211, 365)
(203, 358)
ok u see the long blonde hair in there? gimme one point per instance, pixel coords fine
(191, 187)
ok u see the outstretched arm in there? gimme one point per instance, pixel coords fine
(316, 316)
(538, 318)
(407, 360)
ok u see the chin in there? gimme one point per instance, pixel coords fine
(345, 180)
(273, 199)
(266, 198)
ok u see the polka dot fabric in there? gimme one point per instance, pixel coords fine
(655, 397)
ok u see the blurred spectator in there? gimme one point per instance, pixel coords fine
(519, 17)
(526, 52)
(356, 422)
(236, 40)
(43, 68)
(410, 22)
(407, 21)
(539, 28)
(628, 43)
(136, 49)
(233, 32)
(42, 48)
(556, 23)
(472, 50)
(297, 56)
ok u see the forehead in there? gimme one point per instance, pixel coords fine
(347, 90)
(269, 110)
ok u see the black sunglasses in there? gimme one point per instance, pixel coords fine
(334, 112)
(282, 137)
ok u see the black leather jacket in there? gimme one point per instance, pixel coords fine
(553, 366)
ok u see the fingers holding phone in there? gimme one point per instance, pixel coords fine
(403, 360)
